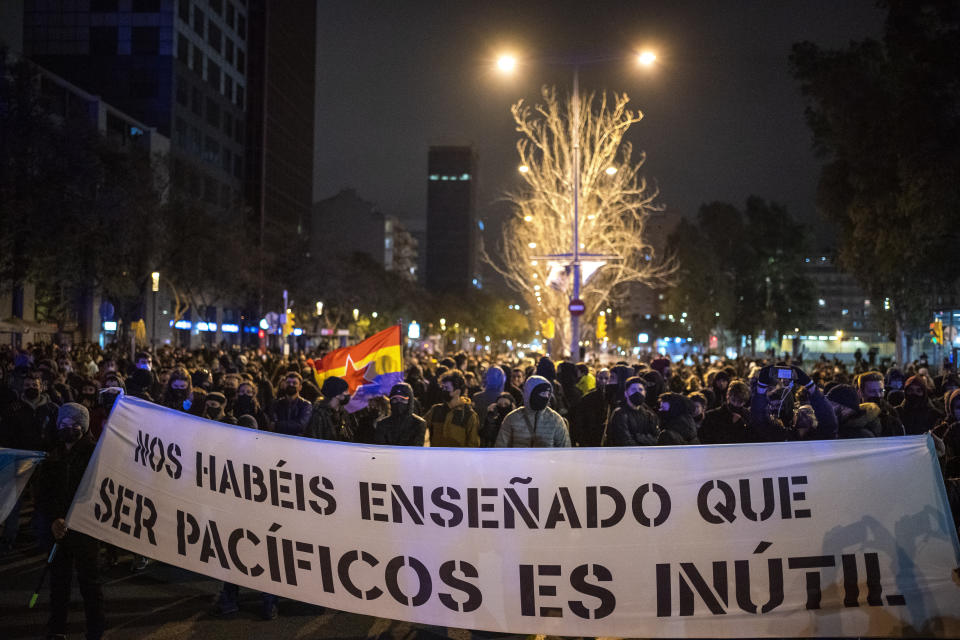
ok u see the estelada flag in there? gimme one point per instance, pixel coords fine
(371, 367)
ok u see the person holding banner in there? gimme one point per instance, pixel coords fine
(58, 479)
(291, 414)
(330, 420)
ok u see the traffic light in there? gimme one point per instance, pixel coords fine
(936, 332)
(288, 323)
(548, 329)
(602, 326)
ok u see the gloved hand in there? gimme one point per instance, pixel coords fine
(802, 378)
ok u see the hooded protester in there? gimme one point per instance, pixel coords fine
(854, 420)
(534, 424)
(248, 404)
(402, 428)
(494, 382)
(655, 385)
(567, 377)
(547, 369)
(676, 420)
(632, 424)
(176, 394)
(58, 480)
(729, 423)
(916, 413)
(366, 419)
(330, 420)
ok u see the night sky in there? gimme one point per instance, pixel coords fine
(723, 118)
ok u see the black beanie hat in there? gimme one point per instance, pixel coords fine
(845, 395)
(333, 386)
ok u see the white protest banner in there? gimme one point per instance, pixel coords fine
(818, 539)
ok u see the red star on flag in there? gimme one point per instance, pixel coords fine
(355, 376)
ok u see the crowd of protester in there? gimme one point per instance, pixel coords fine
(56, 400)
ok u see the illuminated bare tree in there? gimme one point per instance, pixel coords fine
(613, 207)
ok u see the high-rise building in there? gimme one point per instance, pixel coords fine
(451, 219)
(280, 120)
(177, 65)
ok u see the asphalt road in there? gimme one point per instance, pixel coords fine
(167, 603)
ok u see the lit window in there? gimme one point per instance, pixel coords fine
(434, 176)
(822, 302)
(845, 311)
(464, 176)
(480, 224)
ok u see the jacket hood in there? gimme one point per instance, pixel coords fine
(950, 401)
(918, 381)
(567, 374)
(653, 381)
(532, 383)
(679, 418)
(547, 369)
(494, 380)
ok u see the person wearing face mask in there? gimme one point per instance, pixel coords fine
(589, 423)
(493, 418)
(632, 424)
(870, 390)
(290, 414)
(676, 420)
(772, 407)
(728, 423)
(452, 422)
(178, 390)
(534, 424)
(916, 413)
(58, 479)
(29, 422)
(330, 420)
(214, 408)
(247, 404)
(402, 428)
(228, 387)
(894, 386)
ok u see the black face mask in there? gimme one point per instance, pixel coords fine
(663, 415)
(69, 436)
(31, 394)
(610, 392)
(88, 398)
(399, 408)
(636, 399)
(211, 413)
(290, 391)
(538, 401)
(230, 393)
(245, 405)
(346, 400)
(178, 395)
(445, 395)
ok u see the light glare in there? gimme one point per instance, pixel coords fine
(506, 63)
(647, 58)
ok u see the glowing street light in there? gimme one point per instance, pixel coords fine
(507, 63)
(646, 58)
(523, 168)
(611, 171)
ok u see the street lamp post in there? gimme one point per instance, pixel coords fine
(508, 64)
